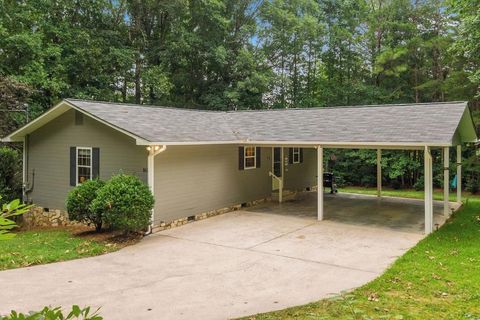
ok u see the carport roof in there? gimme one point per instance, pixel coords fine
(432, 124)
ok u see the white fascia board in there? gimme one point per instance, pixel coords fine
(350, 145)
(54, 112)
(187, 143)
(353, 145)
(51, 114)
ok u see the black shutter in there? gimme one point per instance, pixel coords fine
(241, 158)
(290, 155)
(301, 155)
(95, 163)
(258, 155)
(73, 166)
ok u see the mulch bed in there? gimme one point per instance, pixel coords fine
(114, 237)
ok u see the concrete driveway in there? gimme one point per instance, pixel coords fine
(232, 265)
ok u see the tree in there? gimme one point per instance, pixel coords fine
(14, 97)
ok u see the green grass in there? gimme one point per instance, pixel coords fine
(437, 279)
(437, 194)
(44, 246)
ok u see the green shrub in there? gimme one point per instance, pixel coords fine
(126, 202)
(79, 200)
(10, 173)
(419, 185)
(49, 313)
(472, 185)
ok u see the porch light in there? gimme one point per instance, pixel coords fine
(149, 148)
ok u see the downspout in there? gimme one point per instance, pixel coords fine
(152, 152)
(24, 168)
(27, 186)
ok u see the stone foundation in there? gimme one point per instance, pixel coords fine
(40, 217)
(204, 215)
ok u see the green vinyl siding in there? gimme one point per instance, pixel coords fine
(194, 179)
(298, 176)
(49, 156)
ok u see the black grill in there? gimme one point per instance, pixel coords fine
(329, 182)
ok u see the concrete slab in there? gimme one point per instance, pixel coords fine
(233, 265)
(386, 212)
(343, 245)
(240, 230)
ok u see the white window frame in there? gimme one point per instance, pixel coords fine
(83, 166)
(297, 152)
(245, 157)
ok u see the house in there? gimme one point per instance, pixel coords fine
(197, 161)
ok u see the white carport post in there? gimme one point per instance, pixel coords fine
(428, 191)
(150, 168)
(446, 181)
(459, 174)
(379, 172)
(319, 183)
(152, 152)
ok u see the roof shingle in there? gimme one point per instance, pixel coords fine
(405, 123)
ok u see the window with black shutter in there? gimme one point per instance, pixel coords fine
(249, 157)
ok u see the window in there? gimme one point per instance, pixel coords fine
(250, 158)
(84, 164)
(296, 155)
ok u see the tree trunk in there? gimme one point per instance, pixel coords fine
(138, 81)
(417, 98)
(124, 89)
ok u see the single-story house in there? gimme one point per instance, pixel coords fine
(197, 161)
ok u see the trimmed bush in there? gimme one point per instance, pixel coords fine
(126, 202)
(79, 200)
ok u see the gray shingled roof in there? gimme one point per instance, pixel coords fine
(406, 123)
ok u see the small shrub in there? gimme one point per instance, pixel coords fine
(10, 173)
(340, 181)
(55, 314)
(126, 202)
(472, 185)
(79, 200)
(419, 185)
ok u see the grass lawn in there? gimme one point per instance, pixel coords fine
(437, 279)
(437, 194)
(45, 246)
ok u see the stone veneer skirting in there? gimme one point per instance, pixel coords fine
(40, 217)
(200, 216)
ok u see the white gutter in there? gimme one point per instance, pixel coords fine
(346, 144)
(152, 152)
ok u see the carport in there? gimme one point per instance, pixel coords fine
(424, 127)
(428, 178)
